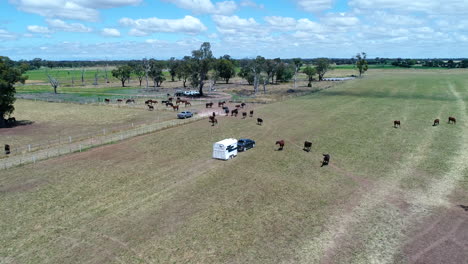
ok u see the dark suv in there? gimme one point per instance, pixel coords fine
(244, 144)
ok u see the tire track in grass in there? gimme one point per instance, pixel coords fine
(373, 213)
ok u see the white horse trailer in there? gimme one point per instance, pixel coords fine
(225, 149)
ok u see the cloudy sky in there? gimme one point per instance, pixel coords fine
(134, 29)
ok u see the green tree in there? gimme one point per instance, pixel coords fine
(202, 63)
(322, 66)
(225, 69)
(122, 73)
(184, 70)
(139, 70)
(310, 72)
(156, 72)
(9, 75)
(361, 63)
(173, 64)
(297, 66)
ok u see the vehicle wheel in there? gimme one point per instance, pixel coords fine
(253, 145)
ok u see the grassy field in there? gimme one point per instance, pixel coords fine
(160, 198)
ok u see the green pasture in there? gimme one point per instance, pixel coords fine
(161, 198)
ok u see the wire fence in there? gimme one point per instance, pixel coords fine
(75, 145)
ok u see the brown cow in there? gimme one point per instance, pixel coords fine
(396, 123)
(175, 107)
(242, 105)
(119, 101)
(238, 106)
(244, 114)
(209, 105)
(221, 104)
(234, 112)
(107, 100)
(452, 120)
(280, 143)
(436, 122)
(251, 113)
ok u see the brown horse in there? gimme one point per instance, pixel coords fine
(259, 121)
(175, 107)
(307, 146)
(209, 105)
(150, 107)
(251, 113)
(436, 122)
(213, 120)
(187, 103)
(244, 114)
(326, 159)
(452, 120)
(280, 143)
(234, 112)
(178, 101)
(396, 123)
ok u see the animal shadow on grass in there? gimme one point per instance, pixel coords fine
(464, 207)
(19, 123)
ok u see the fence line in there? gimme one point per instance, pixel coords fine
(79, 146)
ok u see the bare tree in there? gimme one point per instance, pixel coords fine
(53, 82)
(297, 67)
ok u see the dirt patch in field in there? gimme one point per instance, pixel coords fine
(24, 187)
(440, 238)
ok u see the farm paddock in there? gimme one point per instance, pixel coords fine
(388, 195)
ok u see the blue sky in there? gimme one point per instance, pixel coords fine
(134, 29)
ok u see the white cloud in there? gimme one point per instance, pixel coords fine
(110, 32)
(39, 29)
(340, 20)
(5, 35)
(234, 25)
(314, 6)
(382, 17)
(281, 23)
(250, 3)
(434, 7)
(70, 9)
(60, 25)
(206, 6)
(188, 24)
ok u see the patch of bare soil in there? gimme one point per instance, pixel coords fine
(440, 238)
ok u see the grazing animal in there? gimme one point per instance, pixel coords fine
(214, 114)
(119, 101)
(436, 122)
(259, 121)
(169, 104)
(307, 146)
(221, 104)
(106, 100)
(242, 105)
(251, 113)
(154, 101)
(7, 149)
(209, 105)
(147, 102)
(238, 106)
(130, 101)
(178, 101)
(170, 99)
(213, 120)
(226, 110)
(280, 143)
(164, 102)
(452, 120)
(150, 107)
(168, 95)
(464, 207)
(244, 114)
(175, 107)
(187, 103)
(234, 112)
(326, 159)
(396, 123)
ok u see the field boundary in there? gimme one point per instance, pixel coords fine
(94, 141)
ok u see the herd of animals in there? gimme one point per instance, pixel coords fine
(170, 102)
